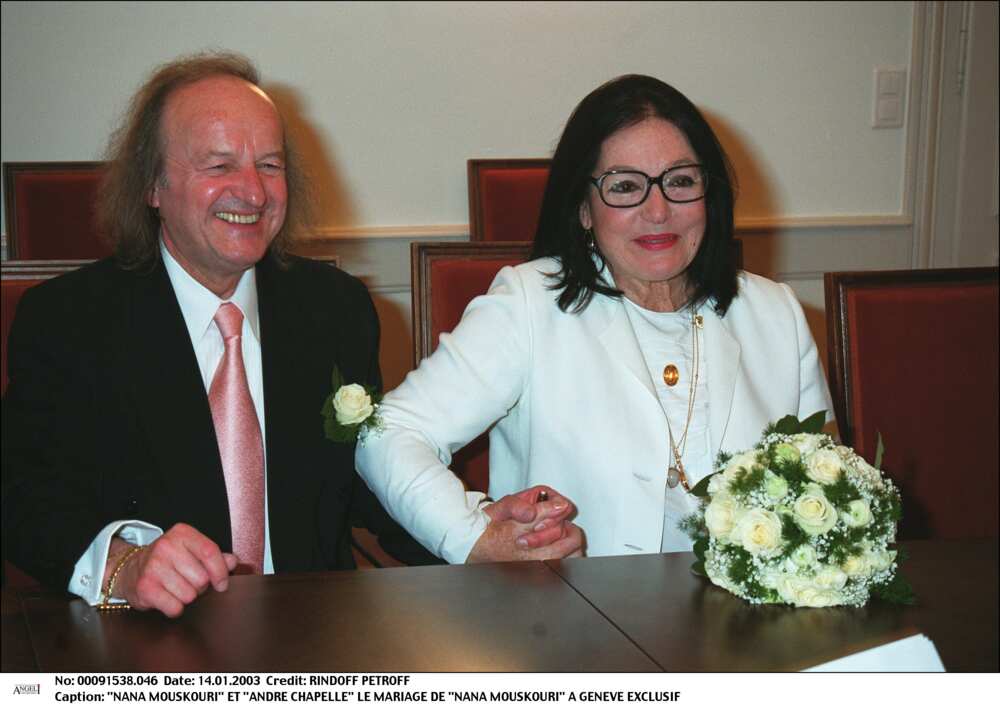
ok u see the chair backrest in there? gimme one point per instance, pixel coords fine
(16, 277)
(505, 198)
(913, 357)
(446, 277)
(49, 210)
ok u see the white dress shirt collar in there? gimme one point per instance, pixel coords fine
(199, 305)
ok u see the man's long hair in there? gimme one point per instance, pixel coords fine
(135, 162)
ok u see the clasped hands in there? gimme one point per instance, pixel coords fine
(183, 563)
(533, 524)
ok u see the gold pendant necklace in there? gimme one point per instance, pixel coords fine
(675, 471)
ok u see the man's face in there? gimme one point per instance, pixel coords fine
(222, 194)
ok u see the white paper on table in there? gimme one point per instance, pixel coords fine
(911, 654)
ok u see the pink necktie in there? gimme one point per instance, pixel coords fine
(240, 445)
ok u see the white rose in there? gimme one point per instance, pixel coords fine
(804, 556)
(861, 468)
(739, 463)
(721, 516)
(775, 486)
(830, 577)
(787, 453)
(813, 512)
(806, 442)
(802, 592)
(856, 566)
(352, 404)
(858, 514)
(759, 531)
(880, 560)
(717, 483)
(824, 466)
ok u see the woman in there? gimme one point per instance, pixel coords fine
(617, 363)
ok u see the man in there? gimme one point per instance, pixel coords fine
(161, 426)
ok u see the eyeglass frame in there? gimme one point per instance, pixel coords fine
(650, 180)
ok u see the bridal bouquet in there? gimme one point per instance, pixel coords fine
(798, 520)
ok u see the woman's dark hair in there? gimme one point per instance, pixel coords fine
(619, 103)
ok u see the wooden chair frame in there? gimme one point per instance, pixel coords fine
(836, 286)
(423, 255)
(39, 268)
(474, 167)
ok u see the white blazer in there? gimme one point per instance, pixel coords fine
(572, 405)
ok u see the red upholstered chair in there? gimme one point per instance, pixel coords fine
(446, 277)
(913, 356)
(49, 210)
(505, 198)
(15, 278)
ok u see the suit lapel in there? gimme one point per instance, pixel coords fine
(172, 406)
(618, 338)
(723, 363)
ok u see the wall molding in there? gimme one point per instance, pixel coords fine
(388, 289)
(920, 171)
(793, 248)
(799, 276)
(823, 222)
(326, 234)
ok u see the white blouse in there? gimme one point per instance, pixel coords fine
(668, 338)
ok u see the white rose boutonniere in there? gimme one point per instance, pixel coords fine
(352, 404)
(350, 412)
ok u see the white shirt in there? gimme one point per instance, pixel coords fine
(198, 306)
(667, 337)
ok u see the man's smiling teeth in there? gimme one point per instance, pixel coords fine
(237, 218)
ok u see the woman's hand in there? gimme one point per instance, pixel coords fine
(533, 524)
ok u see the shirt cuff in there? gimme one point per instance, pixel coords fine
(459, 540)
(88, 573)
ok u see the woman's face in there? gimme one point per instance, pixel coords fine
(652, 243)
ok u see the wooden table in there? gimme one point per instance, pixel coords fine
(684, 623)
(500, 617)
(635, 613)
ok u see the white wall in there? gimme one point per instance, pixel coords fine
(398, 96)
(391, 99)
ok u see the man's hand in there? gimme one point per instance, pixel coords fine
(533, 524)
(171, 572)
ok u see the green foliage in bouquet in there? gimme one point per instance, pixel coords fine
(798, 520)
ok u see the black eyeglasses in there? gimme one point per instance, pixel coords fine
(627, 189)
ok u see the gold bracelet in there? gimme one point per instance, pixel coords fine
(107, 606)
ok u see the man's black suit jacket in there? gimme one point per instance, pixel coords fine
(106, 417)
